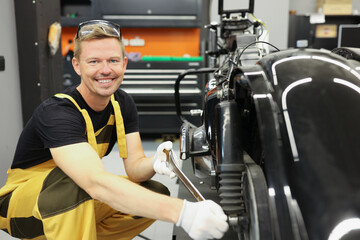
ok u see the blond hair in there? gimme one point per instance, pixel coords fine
(95, 32)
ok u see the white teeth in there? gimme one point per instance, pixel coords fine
(104, 81)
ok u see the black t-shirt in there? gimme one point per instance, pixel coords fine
(57, 122)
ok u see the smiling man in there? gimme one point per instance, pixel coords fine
(57, 186)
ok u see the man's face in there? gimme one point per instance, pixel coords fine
(101, 66)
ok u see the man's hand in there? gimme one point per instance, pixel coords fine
(159, 160)
(203, 220)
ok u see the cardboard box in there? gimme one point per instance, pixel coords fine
(335, 9)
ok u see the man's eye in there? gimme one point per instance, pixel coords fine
(93, 62)
(114, 61)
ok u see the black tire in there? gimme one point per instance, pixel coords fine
(256, 203)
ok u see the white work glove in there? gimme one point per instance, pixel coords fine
(159, 160)
(203, 220)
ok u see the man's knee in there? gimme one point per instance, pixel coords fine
(156, 187)
(59, 194)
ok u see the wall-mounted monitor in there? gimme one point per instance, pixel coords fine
(349, 35)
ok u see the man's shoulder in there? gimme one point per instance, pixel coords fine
(55, 106)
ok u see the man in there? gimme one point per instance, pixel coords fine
(57, 186)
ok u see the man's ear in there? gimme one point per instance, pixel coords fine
(125, 62)
(76, 66)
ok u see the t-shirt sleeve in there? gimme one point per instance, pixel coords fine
(59, 125)
(129, 113)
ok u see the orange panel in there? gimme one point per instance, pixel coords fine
(165, 41)
(175, 42)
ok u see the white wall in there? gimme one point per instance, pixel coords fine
(10, 103)
(275, 14)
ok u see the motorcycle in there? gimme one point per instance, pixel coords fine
(279, 139)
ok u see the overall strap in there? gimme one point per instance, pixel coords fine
(120, 130)
(89, 126)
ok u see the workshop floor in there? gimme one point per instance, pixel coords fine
(159, 230)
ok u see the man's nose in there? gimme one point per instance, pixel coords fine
(105, 68)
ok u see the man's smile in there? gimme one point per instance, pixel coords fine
(105, 80)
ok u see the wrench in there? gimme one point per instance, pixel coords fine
(171, 164)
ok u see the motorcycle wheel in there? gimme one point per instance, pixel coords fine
(256, 204)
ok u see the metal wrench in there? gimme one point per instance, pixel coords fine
(171, 164)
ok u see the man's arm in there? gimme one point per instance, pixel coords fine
(82, 164)
(138, 167)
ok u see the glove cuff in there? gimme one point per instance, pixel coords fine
(179, 222)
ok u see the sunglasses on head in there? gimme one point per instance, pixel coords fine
(108, 27)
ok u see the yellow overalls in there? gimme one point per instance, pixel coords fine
(41, 202)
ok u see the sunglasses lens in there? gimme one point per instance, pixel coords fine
(86, 28)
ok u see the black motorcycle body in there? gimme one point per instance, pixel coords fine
(283, 141)
(308, 110)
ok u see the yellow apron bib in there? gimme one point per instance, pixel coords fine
(120, 130)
